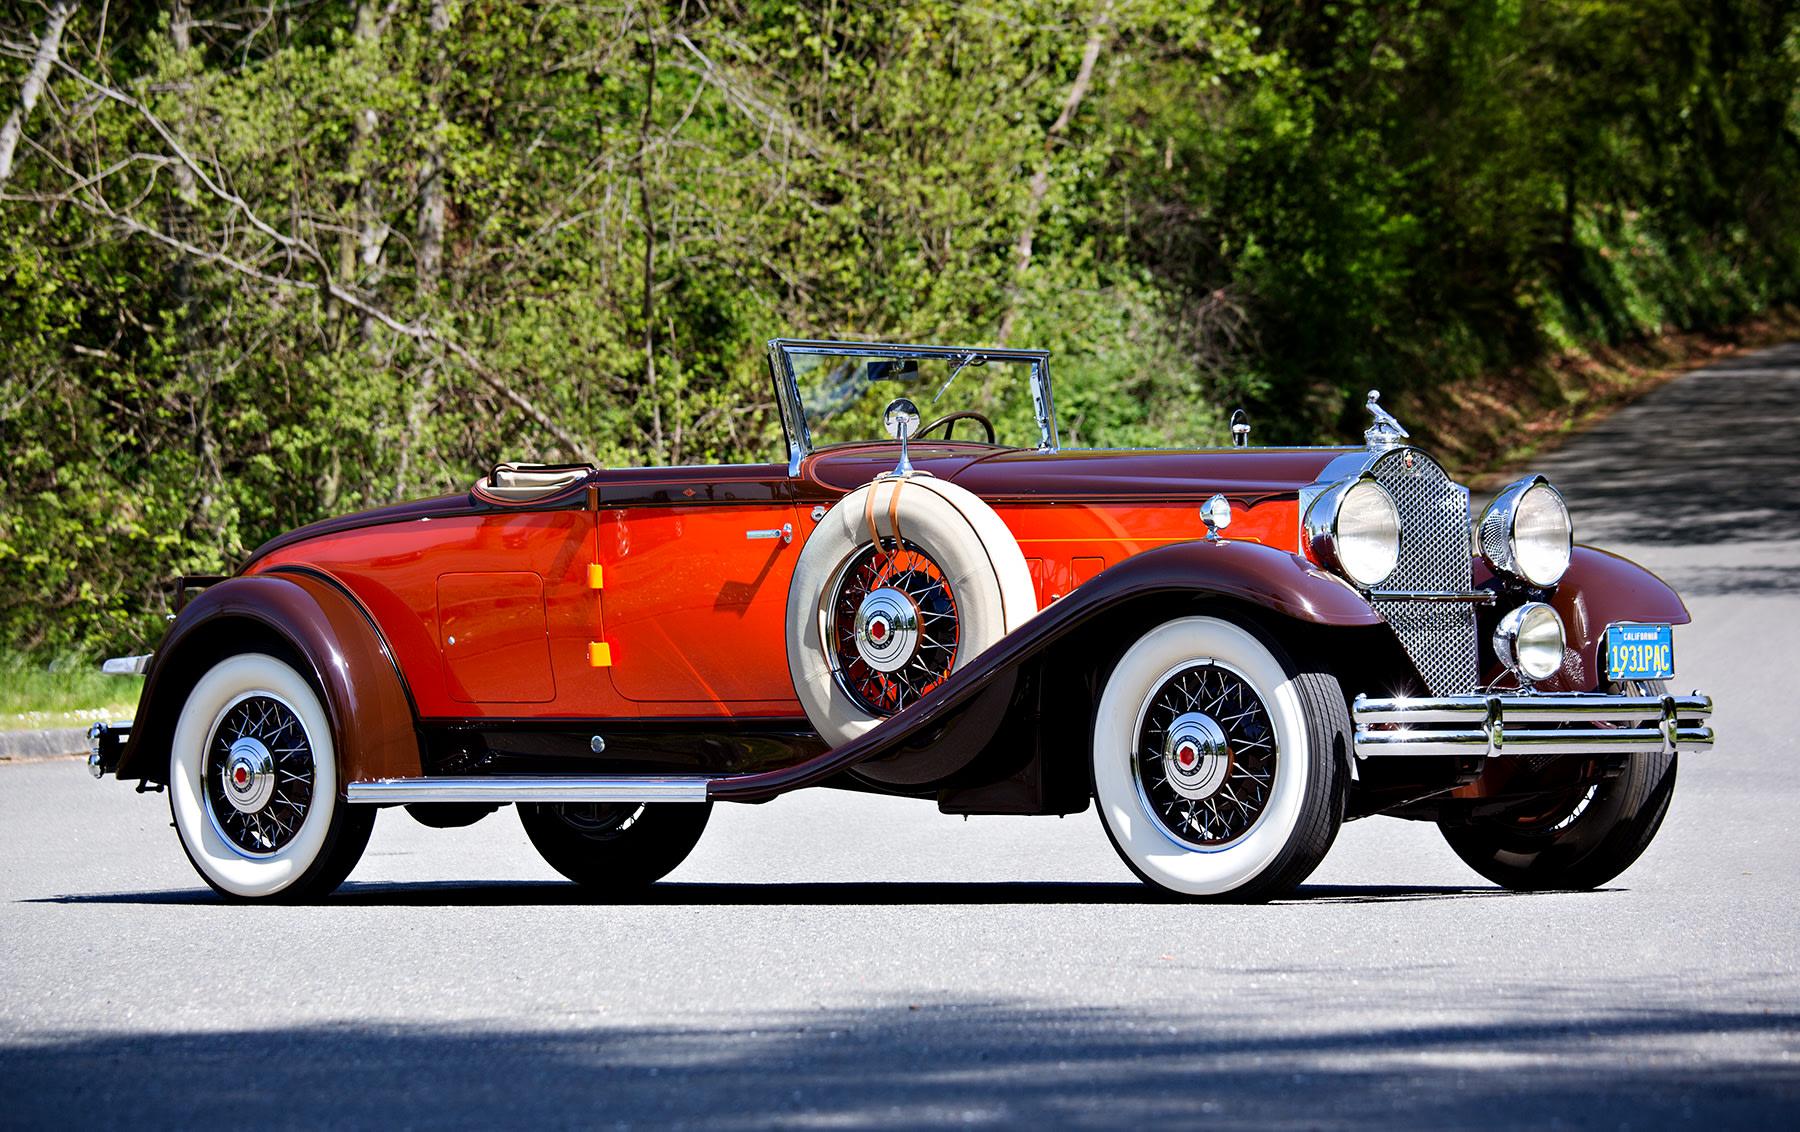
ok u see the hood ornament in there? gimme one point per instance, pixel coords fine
(1386, 432)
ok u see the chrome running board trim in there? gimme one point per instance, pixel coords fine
(528, 788)
(1501, 726)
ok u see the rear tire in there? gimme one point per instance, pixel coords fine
(614, 849)
(254, 785)
(1218, 763)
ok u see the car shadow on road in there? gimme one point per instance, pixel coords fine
(925, 1059)
(438, 894)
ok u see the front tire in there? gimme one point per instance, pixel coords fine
(253, 785)
(1218, 763)
(615, 849)
(1579, 841)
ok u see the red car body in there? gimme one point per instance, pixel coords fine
(631, 624)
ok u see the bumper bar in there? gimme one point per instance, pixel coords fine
(1501, 726)
(106, 743)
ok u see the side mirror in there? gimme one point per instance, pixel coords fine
(902, 420)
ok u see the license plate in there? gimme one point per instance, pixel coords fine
(1639, 652)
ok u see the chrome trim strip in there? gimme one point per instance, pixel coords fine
(1473, 597)
(529, 788)
(1401, 726)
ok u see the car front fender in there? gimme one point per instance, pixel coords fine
(1601, 589)
(1241, 571)
(310, 614)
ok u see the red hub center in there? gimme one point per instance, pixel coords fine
(1187, 756)
(878, 631)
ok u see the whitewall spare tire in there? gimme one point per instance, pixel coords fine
(253, 784)
(902, 583)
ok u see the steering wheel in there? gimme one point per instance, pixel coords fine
(948, 420)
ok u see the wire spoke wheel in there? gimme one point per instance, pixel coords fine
(894, 627)
(599, 821)
(258, 774)
(1206, 755)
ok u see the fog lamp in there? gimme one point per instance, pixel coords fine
(1529, 641)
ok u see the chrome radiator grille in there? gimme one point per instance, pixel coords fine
(1434, 556)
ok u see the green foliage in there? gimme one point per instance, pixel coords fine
(66, 692)
(1273, 203)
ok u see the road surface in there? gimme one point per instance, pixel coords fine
(831, 959)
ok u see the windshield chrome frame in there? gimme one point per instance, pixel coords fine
(793, 415)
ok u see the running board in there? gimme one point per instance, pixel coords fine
(527, 788)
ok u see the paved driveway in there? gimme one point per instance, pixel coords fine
(829, 959)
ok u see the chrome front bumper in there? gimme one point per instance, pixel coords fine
(1531, 725)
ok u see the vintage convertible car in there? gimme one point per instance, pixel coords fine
(1231, 650)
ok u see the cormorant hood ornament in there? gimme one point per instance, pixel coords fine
(1386, 432)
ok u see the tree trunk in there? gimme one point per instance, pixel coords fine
(431, 168)
(430, 231)
(1040, 181)
(643, 159)
(365, 244)
(35, 78)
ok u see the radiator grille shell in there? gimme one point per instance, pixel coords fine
(1434, 556)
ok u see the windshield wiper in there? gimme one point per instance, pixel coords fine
(967, 360)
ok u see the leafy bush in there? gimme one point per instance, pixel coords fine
(263, 267)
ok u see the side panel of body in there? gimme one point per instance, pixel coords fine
(308, 614)
(1240, 572)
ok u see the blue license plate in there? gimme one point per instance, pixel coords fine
(1639, 652)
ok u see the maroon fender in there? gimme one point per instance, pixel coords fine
(1601, 588)
(1278, 580)
(306, 610)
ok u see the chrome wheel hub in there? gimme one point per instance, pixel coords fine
(1196, 756)
(887, 630)
(258, 777)
(249, 773)
(891, 627)
(1206, 754)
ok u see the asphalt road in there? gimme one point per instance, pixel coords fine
(829, 959)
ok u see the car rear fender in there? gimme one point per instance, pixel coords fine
(1243, 573)
(310, 614)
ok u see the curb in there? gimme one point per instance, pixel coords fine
(30, 746)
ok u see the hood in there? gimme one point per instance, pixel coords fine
(1092, 474)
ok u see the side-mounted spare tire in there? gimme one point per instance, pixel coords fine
(902, 583)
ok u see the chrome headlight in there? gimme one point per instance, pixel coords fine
(1354, 528)
(1526, 533)
(1529, 641)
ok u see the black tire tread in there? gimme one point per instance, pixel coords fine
(652, 849)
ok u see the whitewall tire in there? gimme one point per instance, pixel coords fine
(872, 628)
(1218, 766)
(254, 787)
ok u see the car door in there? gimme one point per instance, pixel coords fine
(694, 594)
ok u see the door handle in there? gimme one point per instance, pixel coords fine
(785, 533)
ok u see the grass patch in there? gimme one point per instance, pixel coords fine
(66, 692)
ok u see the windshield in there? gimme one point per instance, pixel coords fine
(843, 396)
